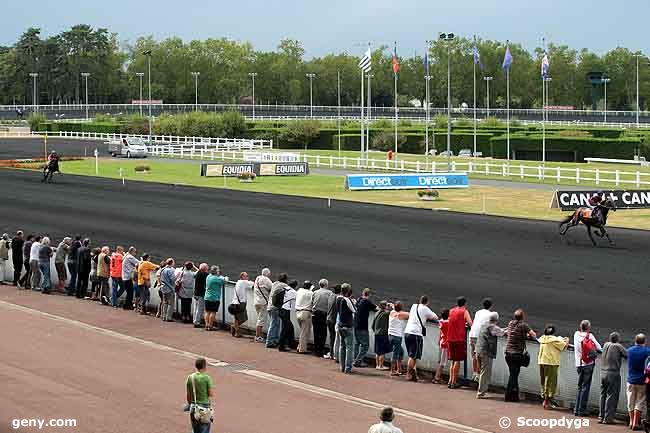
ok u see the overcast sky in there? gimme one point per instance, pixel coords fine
(338, 25)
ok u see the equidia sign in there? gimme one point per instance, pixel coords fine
(623, 199)
(260, 169)
(356, 182)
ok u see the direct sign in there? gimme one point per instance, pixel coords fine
(623, 199)
(358, 182)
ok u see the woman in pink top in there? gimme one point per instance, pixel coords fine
(443, 344)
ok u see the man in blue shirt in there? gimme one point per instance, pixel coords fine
(636, 391)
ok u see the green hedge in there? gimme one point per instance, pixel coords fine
(415, 143)
(582, 147)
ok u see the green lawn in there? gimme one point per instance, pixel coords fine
(522, 171)
(516, 202)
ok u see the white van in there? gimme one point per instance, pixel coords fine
(129, 147)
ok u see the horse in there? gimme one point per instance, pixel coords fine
(48, 171)
(596, 218)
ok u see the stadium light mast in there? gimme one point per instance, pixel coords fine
(140, 75)
(448, 39)
(196, 90)
(605, 81)
(253, 75)
(487, 85)
(311, 94)
(148, 54)
(34, 76)
(86, 75)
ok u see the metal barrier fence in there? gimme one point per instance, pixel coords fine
(487, 168)
(216, 143)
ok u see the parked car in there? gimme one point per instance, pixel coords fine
(446, 153)
(465, 153)
(129, 147)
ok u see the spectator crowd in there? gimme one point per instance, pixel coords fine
(339, 321)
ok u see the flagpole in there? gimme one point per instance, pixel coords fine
(474, 76)
(338, 120)
(368, 119)
(426, 116)
(395, 113)
(363, 126)
(543, 119)
(508, 112)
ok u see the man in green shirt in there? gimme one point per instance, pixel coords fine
(199, 392)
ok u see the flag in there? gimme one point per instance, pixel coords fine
(545, 65)
(477, 57)
(395, 62)
(426, 63)
(366, 61)
(507, 59)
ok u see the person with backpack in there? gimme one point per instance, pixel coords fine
(277, 299)
(637, 364)
(586, 349)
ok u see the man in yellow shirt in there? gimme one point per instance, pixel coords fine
(145, 268)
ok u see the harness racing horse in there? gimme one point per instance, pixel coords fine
(596, 218)
(49, 170)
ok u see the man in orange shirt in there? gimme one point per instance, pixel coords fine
(116, 275)
(145, 268)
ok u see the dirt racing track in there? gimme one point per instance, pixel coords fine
(400, 253)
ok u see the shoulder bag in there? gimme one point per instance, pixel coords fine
(417, 313)
(202, 414)
(235, 309)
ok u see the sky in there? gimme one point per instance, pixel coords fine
(335, 26)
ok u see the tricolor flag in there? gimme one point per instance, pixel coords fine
(545, 65)
(507, 59)
(477, 56)
(395, 61)
(426, 63)
(366, 61)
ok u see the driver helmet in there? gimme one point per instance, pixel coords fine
(53, 152)
(600, 192)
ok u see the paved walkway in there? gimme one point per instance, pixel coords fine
(127, 372)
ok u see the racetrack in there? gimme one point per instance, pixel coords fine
(400, 253)
(21, 148)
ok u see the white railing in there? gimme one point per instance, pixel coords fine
(477, 168)
(216, 143)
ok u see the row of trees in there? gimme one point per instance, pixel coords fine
(224, 66)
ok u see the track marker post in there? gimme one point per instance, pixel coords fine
(96, 162)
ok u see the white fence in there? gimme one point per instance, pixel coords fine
(158, 140)
(528, 380)
(488, 168)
